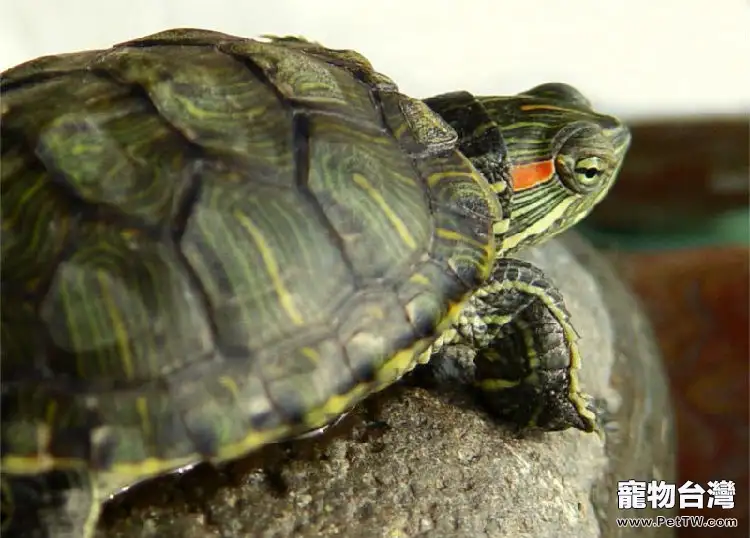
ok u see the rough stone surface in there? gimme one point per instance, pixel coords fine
(412, 462)
(641, 439)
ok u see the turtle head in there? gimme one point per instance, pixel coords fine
(562, 157)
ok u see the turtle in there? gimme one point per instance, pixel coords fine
(211, 243)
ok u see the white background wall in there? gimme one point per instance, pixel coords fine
(635, 57)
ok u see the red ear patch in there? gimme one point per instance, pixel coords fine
(526, 176)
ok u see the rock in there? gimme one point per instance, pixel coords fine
(412, 462)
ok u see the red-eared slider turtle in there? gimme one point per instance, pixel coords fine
(212, 243)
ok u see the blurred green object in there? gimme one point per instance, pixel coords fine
(685, 182)
(728, 228)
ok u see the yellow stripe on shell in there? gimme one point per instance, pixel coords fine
(118, 325)
(141, 406)
(272, 268)
(394, 219)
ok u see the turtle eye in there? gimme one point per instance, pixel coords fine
(589, 170)
(584, 160)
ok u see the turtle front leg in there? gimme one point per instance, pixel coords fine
(526, 352)
(52, 504)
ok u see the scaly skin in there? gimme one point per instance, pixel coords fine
(561, 158)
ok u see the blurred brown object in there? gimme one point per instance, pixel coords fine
(697, 300)
(678, 172)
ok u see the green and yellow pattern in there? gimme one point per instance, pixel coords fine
(212, 243)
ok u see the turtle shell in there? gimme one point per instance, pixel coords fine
(212, 243)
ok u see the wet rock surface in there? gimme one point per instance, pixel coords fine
(417, 462)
